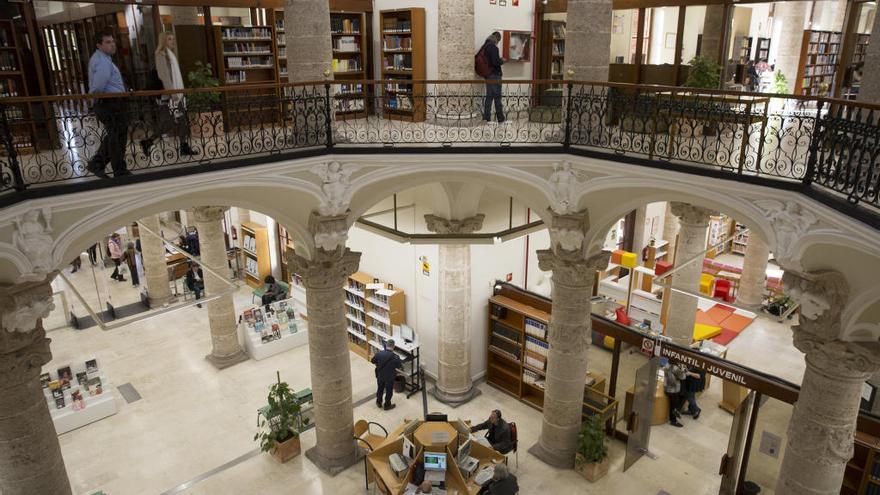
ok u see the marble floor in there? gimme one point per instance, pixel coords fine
(192, 418)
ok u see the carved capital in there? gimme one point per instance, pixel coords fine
(441, 225)
(569, 270)
(790, 222)
(564, 182)
(326, 269)
(689, 214)
(329, 232)
(567, 233)
(207, 214)
(822, 296)
(858, 360)
(23, 343)
(25, 361)
(32, 236)
(335, 187)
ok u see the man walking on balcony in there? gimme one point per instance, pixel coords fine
(493, 90)
(104, 77)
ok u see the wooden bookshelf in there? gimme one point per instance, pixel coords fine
(762, 50)
(14, 84)
(255, 246)
(517, 350)
(280, 45)
(371, 312)
(853, 77)
(740, 239)
(403, 60)
(862, 473)
(348, 33)
(247, 55)
(818, 63)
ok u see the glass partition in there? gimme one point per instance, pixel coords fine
(623, 31)
(768, 443)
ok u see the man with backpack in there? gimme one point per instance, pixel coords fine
(487, 63)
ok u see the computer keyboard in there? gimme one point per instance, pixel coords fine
(484, 475)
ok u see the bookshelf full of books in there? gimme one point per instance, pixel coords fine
(818, 62)
(13, 83)
(273, 329)
(862, 473)
(762, 50)
(551, 61)
(255, 246)
(280, 44)
(247, 55)
(402, 62)
(348, 33)
(78, 394)
(855, 69)
(373, 310)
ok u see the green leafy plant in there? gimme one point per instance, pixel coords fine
(780, 83)
(779, 305)
(703, 73)
(281, 420)
(202, 76)
(591, 441)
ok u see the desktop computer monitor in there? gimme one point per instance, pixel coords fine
(464, 451)
(435, 461)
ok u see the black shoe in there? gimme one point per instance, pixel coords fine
(186, 150)
(389, 407)
(121, 173)
(686, 413)
(501, 120)
(199, 305)
(98, 171)
(146, 144)
(121, 279)
(676, 424)
(697, 414)
(379, 404)
(73, 271)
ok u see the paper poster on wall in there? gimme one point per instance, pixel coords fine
(502, 3)
(616, 23)
(492, 2)
(426, 267)
(517, 46)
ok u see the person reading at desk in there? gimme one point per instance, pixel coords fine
(498, 434)
(503, 483)
(425, 487)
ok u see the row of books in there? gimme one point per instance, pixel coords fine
(816, 37)
(234, 77)
(381, 312)
(8, 61)
(819, 70)
(13, 113)
(396, 87)
(397, 43)
(537, 346)
(823, 59)
(559, 47)
(556, 68)
(252, 268)
(535, 328)
(354, 313)
(533, 378)
(559, 31)
(345, 25)
(382, 326)
(346, 44)
(536, 360)
(356, 286)
(255, 32)
(353, 299)
(399, 102)
(357, 328)
(251, 61)
(242, 47)
(400, 26)
(349, 89)
(8, 88)
(346, 64)
(398, 61)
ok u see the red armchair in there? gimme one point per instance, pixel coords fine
(723, 290)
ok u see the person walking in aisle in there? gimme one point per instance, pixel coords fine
(694, 381)
(673, 374)
(93, 254)
(387, 363)
(195, 281)
(172, 108)
(115, 247)
(130, 257)
(104, 77)
(493, 89)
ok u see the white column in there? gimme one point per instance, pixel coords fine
(30, 457)
(750, 293)
(155, 266)
(670, 230)
(792, 15)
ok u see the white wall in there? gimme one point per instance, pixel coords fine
(694, 20)
(489, 18)
(620, 40)
(431, 31)
(760, 26)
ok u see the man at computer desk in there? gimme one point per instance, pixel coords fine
(498, 434)
(503, 483)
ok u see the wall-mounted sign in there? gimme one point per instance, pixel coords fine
(426, 267)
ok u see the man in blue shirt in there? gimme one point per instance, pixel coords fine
(104, 77)
(493, 91)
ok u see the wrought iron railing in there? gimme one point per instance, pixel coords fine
(829, 143)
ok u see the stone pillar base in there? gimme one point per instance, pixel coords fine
(336, 465)
(455, 400)
(159, 301)
(222, 362)
(556, 459)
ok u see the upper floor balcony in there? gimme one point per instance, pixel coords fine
(822, 147)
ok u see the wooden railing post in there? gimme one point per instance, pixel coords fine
(567, 139)
(6, 136)
(328, 115)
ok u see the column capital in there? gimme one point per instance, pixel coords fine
(24, 348)
(209, 213)
(690, 214)
(790, 222)
(326, 269)
(568, 232)
(822, 296)
(856, 360)
(569, 270)
(441, 225)
(329, 231)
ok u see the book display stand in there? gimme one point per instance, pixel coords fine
(77, 395)
(273, 330)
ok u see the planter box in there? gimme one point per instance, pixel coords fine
(590, 470)
(286, 450)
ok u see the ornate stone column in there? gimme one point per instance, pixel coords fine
(455, 56)
(820, 434)
(324, 276)
(588, 38)
(454, 384)
(569, 336)
(792, 15)
(30, 457)
(694, 222)
(750, 293)
(307, 26)
(225, 349)
(155, 267)
(713, 33)
(670, 230)
(869, 92)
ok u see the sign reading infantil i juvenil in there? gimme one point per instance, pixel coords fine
(697, 361)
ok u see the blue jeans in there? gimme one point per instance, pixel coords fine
(493, 94)
(691, 398)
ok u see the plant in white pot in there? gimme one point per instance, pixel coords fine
(281, 423)
(591, 459)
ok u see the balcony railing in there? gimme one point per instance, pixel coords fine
(832, 144)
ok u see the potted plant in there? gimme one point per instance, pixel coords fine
(281, 423)
(778, 305)
(207, 119)
(591, 459)
(705, 73)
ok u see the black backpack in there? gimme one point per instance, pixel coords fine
(154, 83)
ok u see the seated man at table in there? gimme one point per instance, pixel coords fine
(195, 281)
(425, 487)
(503, 483)
(498, 435)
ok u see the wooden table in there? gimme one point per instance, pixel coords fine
(660, 413)
(379, 468)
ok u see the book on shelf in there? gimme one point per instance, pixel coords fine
(65, 376)
(537, 346)
(346, 64)
(82, 378)
(45, 378)
(95, 386)
(346, 44)
(345, 25)
(559, 30)
(246, 32)
(92, 366)
(397, 43)
(59, 402)
(398, 61)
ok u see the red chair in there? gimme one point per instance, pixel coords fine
(723, 290)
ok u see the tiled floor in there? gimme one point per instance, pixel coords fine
(193, 418)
